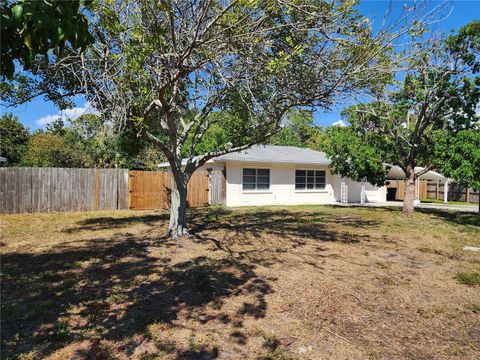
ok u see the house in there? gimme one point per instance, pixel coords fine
(286, 175)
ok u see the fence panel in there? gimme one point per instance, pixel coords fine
(148, 190)
(433, 190)
(456, 192)
(198, 189)
(57, 189)
(217, 187)
(8, 192)
(122, 189)
(151, 190)
(475, 197)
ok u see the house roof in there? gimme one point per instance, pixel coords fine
(277, 154)
(272, 154)
(299, 156)
(396, 173)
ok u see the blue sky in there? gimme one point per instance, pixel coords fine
(38, 112)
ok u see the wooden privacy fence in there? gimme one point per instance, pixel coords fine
(151, 190)
(435, 190)
(56, 189)
(456, 192)
(400, 186)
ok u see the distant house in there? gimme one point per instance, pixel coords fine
(286, 175)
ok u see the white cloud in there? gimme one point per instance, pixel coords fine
(68, 114)
(340, 123)
(46, 120)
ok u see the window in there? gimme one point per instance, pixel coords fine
(309, 179)
(256, 179)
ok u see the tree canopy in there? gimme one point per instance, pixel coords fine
(458, 156)
(437, 98)
(13, 138)
(49, 150)
(298, 129)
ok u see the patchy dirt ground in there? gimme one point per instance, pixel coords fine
(315, 282)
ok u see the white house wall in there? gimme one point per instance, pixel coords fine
(375, 194)
(372, 193)
(282, 186)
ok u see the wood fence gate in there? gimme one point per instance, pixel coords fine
(218, 184)
(151, 190)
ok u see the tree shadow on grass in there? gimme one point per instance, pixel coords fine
(451, 216)
(107, 223)
(455, 217)
(264, 236)
(115, 289)
(296, 226)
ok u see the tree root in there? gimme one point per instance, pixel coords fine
(176, 235)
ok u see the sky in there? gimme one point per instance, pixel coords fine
(38, 113)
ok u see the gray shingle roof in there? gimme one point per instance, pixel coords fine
(277, 154)
(273, 154)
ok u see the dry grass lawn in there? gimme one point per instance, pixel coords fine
(317, 282)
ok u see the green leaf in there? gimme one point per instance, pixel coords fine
(28, 42)
(17, 11)
(61, 32)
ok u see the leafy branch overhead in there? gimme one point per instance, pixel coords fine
(35, 27)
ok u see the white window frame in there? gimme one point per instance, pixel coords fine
(256, 190)
(315, 188)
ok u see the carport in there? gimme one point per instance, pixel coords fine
(396, 173)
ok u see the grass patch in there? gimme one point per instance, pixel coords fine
(469, 278)
(256, 283)
(441, 202)
(475, 308)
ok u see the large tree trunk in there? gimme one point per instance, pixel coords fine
(409, 196)
(177, 227)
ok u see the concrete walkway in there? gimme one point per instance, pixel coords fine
(464, 208)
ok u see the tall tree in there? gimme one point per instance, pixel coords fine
(298, 129)
(355, 155)
(49, 150)
(438, 96)
(458, 157)
(176, 69)
(13, 138)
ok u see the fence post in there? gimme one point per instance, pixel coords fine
(445, 192)
(467, 197)
(437, 189)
